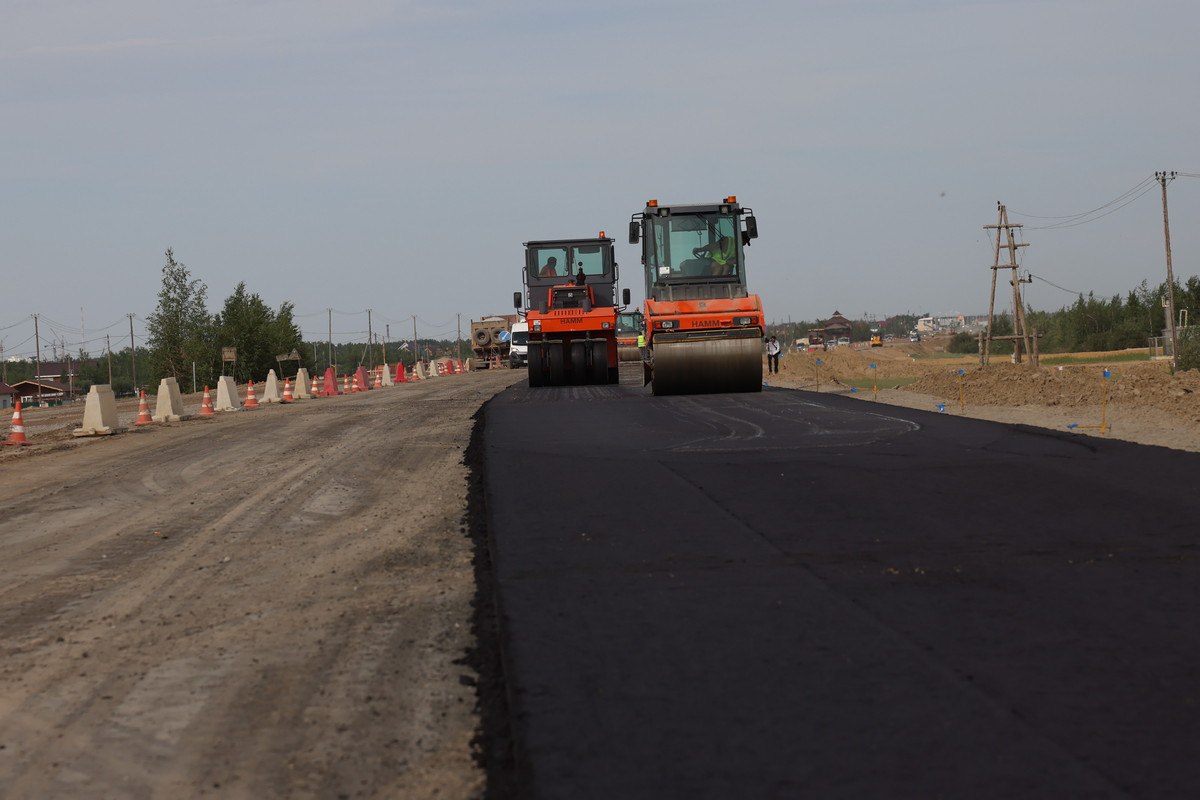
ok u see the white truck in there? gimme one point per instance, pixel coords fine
(518, 345)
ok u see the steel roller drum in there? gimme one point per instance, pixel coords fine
(708, 366)
(628, 352)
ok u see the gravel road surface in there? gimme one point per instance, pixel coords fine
(274, 603)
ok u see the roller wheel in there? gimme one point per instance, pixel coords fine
(537, 366)
(709, 366)
(554, 358)
(579, 369)
(598, 369)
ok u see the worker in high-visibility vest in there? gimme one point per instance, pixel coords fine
(642, 344)
(722, 253)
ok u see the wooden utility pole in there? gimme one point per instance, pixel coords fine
(370, 342)
(132, 354)
(1005, 236)
(1163, 178)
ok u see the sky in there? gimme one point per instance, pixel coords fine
(394, 156)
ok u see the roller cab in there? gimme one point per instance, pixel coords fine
(704, 329)
(570, 307)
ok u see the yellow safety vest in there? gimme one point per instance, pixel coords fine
(641, 340)
(724, 252)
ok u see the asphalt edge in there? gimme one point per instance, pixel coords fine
(494, 745)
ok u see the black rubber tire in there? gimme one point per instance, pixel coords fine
(554, 358)
(598, 369)
(537, 364)
(579, 369)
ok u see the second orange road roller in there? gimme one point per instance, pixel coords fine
(704, 330)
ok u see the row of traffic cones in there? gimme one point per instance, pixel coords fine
(350, 385)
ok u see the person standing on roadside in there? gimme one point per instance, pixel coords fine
(773, 355)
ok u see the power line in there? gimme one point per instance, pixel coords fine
(1140, 185)
(1055, 285)
(1084, 221)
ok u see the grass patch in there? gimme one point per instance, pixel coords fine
(939, 356)
(884, 383)
(1070, 359)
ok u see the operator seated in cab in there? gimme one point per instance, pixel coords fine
(715, 258)
(549, 269)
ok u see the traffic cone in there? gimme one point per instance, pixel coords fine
(143, 412)
(345, 384)
(316, 388)
(16, 434)
(354, 387)
(251, 401)
(287, 391)
(206, 405)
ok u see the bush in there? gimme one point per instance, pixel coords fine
(963, 343)
(1189, 348)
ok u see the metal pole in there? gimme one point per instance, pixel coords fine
(132, 354)
(329, 351)
(1163, 177)
(37, 357)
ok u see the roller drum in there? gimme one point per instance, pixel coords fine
(708, 366)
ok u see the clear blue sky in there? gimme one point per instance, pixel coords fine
(395, 155)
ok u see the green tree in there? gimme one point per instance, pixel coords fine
(178, 329)
(247, 323)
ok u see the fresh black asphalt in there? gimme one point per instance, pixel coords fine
(796, 595)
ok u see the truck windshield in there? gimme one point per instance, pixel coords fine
(520, 338)
(694, 245)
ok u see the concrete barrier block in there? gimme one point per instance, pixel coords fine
(303, 382)
(271, 389)
(169, 407)
(99, 412)
(227, 395)
(385, 376)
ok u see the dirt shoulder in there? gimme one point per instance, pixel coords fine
(1140, 401)
(274, 603)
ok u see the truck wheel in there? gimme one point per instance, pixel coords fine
(537, 369)
(598, 372)
(579, 370)
(554, 357)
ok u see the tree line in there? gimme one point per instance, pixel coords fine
(185, 341)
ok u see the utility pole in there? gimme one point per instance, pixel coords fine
(132, 354)
(3, 364)
(458, 338)
(37, 356)
(1004, 232)
(108, 347)
(387, 337)
(1163, 178)
(416, 355)
(329, 350)
(370, 341)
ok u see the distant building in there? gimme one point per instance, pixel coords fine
(7, 395)
(34, 391)
(836, 327)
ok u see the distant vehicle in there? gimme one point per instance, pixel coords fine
(518, 345)
(914, 337)
(876, 341)
(887, 337)
(844, 341)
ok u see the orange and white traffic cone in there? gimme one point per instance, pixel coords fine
(345, 384)
(251, 401)
(316, 388)
(287, 391)
(16, 435)
(206, 405)
(143, 412)
(354, 387)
